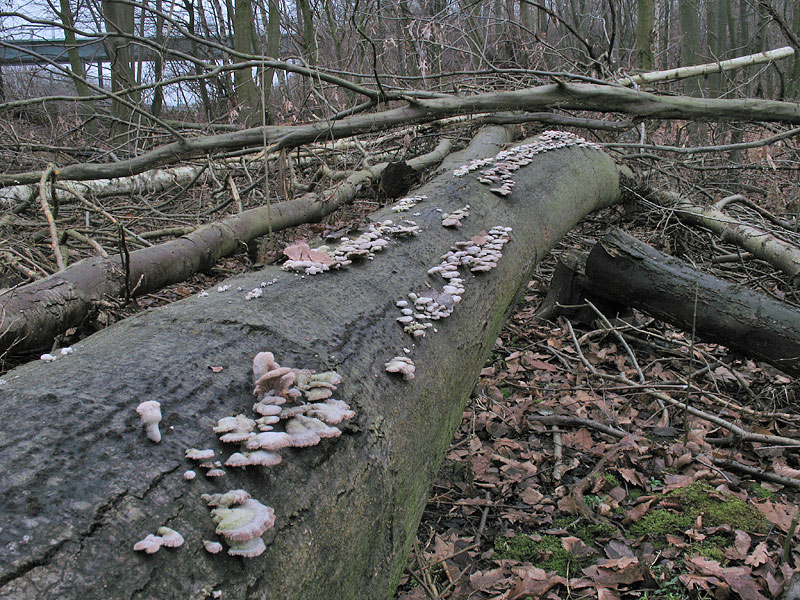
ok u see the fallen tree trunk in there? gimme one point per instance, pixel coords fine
(575, 96)
(83, 483)
(32, 315)
(762, 244)
(623, 269)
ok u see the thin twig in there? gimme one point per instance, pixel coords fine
(51, 224)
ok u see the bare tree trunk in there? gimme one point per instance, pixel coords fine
(86, 483)
(119, 19)
(75, 62)
(244, 82)
(645, 31)
(690, 42)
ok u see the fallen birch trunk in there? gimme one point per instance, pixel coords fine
(83, 483)
(149, 182)
(31, 316)
(780, 254)
(625, 270)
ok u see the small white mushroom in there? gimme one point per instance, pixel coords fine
(212, 547)
(150, 544)
(401, 364)
(169, 537)
(189, 475)
(150, 413)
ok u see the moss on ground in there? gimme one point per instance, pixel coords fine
(695, 500)
(546, 552)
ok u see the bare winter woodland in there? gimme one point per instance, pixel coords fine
(633, 434)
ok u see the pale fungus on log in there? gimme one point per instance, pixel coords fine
(346, 511)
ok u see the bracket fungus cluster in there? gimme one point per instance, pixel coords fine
(454, 218)
(303, 258)
(479, 254)
(406, 204)
(166, 537)
(150, 413)
(241, 520)
(403, 365)
(501, 167)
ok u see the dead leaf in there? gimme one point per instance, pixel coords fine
(741, 544)
(576, 546)
(759, 555)
(777, 513)
(638, 511)
(534, 582)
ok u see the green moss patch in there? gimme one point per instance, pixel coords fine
(694, 500)
(546, 553)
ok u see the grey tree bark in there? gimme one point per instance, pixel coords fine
(84, 483)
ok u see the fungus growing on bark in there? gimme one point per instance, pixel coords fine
(269, 440)
(501, 167)
(195, 454)
(150, 413)
(480, 253)
(251, 459)
(331, 412)
(212, 547)
(235, 429)
(189, 475)
(454, 218)
(226, 499)
(402, 365)
(248, 548)
(405, 204)
(149, 544)
(243, 522)
(307, 431)
(169, 537)
(216, 472)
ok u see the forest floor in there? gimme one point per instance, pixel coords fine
(563, 482)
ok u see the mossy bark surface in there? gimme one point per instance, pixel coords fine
(82, 483)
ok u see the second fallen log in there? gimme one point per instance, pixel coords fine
(640, 276)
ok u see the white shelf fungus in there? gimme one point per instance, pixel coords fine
(407, 203)
(257, 458)
(227, 499)
(212, 547)
(269, 440)
(479, 254)
(243, 522)
(47, 357)
(189, 475)
(501, 167)
(150, 544)
(248, 548)
(402, 365)
(150, 413)
(307, 431)
(195, 454)
(454, 218)
(331, 412)
(235, 429)
(168, 538)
